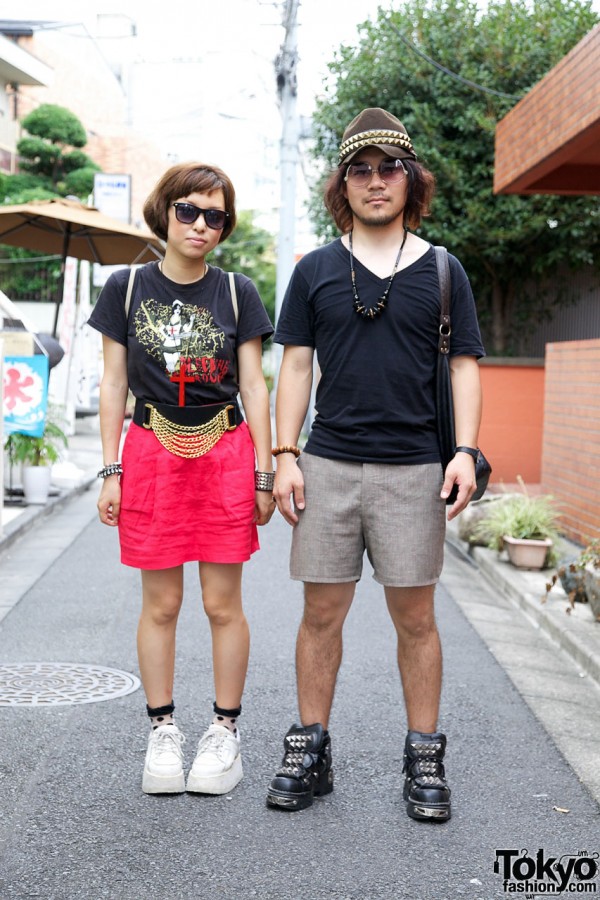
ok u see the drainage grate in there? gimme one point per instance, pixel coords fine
(61, 684)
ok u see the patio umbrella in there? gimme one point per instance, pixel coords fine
(69, 228)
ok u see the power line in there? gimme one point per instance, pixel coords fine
(441, 68)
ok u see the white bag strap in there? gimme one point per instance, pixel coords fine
(233, 295)
(129, 291)
(131, 282)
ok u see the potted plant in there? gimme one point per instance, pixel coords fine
(36, 455)
(525, 526)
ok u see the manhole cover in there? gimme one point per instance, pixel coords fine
(61, 684)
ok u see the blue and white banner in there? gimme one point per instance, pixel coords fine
(25, 404)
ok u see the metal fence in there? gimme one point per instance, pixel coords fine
(33, 279)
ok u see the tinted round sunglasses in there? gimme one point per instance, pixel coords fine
(389, 170)
(187, 213)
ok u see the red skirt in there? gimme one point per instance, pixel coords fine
(176, 510)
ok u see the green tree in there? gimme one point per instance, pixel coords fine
(52, 151)
(250, 250)
(514, 248)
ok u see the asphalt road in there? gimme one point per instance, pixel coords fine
(75, 824)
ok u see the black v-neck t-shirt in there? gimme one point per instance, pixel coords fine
(375, 399)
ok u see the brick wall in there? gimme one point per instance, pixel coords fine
(554, 127)
(571, 439)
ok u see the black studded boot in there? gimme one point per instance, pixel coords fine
(425, 790)
(305, 771)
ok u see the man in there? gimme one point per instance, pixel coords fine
(370, 474)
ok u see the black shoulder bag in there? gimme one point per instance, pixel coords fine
(443, 399)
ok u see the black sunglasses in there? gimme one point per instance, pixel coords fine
(187, 213)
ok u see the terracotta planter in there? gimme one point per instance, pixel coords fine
(526, 554)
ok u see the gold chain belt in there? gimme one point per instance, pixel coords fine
(189, 441)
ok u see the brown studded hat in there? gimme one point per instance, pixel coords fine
(376, 127)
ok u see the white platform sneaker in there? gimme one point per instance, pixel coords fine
(218, 764)
(163, 767)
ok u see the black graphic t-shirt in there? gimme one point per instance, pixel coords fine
(181, 339)
(375, 398)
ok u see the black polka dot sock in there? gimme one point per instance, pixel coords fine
(227, 717)
(161, 715)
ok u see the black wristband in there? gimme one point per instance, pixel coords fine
(472, 451)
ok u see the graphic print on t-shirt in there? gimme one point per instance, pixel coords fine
(184, 338)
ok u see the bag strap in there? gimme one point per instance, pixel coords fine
(443, 268)
(129, 291)
(233, 295)
(130, 284)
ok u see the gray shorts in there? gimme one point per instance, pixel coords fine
(393, 512)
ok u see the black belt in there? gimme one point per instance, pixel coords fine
(186, 415)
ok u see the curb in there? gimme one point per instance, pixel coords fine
(32, 515)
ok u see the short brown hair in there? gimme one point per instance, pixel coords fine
(180, 181)
(421, 188)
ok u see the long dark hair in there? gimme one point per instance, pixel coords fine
(421, 188)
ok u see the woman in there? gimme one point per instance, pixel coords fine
(184, 338)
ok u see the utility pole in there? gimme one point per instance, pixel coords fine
(285, 70)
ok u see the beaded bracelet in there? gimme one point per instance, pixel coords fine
(286, 448)
(264, 481)
(111, 469)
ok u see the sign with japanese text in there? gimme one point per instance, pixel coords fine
(112, 195)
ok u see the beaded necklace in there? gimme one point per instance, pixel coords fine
(372, 312)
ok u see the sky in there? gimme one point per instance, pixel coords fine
(194, 58)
